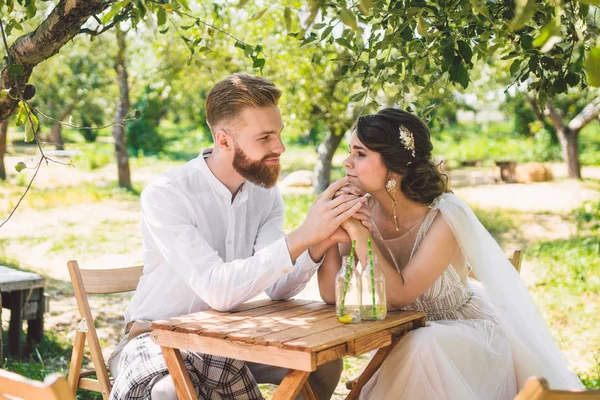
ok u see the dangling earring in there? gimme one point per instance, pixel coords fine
(391, 189)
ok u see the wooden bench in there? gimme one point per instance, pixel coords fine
(507, 171)
(23, 294)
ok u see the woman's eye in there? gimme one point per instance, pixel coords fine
(361, 154)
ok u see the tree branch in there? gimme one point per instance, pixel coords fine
(555, 117)
(61, 25)
(590, 112)
(92, 32)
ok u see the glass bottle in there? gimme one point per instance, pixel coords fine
(373, 291)
(348, 292)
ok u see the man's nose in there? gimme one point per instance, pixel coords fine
(279, 147)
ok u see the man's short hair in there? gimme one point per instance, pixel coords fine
(231, 95)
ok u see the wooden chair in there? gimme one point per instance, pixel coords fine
(537, 389)
(86, 282)
(103, 281)
(516, 259)
(14, 386)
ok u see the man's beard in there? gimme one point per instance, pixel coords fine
(256, 171)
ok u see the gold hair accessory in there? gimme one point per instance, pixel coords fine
(391, 189)
(407, 139)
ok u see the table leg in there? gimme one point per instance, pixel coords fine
(307, 392)
(181, 379)
(291, 385)
(373, 366)
(35, 327)
(15, 328)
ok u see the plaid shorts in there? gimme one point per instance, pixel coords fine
(141, 365)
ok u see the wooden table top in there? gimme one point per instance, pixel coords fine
(12, 279)
(299, 325)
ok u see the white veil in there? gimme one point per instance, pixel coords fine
(534, 351)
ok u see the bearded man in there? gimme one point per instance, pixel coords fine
(213, 238)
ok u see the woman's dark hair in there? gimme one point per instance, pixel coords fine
(422, 180)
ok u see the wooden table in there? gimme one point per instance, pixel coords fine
(23, 293)
(296, 334)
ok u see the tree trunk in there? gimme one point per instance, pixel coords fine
(3, 134)
(122, 110)
(59, 27)
(325, 154)
(56, 130)
(569, 144)
(56, 136)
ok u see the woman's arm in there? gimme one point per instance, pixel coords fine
(435, 253)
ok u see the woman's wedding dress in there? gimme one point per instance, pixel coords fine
(483, 339)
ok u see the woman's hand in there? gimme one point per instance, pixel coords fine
(364, 216)
(355, 228)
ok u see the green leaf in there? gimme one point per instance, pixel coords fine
(560, 86)
(287, 18)
(465, 51)
(572, 79)
(114, 11)
(21, 115)
(591, 2)
(365, 6)
(458, 72)
(348, 18)
(515, 66)
(358, 96)
(258, 63)
(161, 16)
(20, 166)
(16, 70)
(422, 26)
(326, 32)
(242, 3)
(592, 67)
(31, 127)
(319, 26)
(240, 45)
(523, 13)
(259, 14)
(549, 36)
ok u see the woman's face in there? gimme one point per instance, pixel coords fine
(365, 167)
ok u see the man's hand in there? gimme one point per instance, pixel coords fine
(364, 216)
(327, 213)
(349, 189)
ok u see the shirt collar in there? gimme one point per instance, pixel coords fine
(217, 186)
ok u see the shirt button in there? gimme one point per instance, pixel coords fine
(286, 271)
(229, 242)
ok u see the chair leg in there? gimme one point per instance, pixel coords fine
(76, 361)
(307, 392)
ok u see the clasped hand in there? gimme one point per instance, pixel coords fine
(333, 208)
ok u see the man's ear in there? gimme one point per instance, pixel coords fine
(223, 140)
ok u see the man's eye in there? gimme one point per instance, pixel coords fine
(264, 138)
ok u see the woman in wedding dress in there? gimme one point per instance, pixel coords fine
(484, 338)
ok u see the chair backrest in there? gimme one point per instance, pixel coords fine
(14, 386)
(516, 259)
(95, 281)
(537, 389)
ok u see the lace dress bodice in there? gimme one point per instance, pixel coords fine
(451, 295)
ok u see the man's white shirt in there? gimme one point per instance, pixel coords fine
(202, 251)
